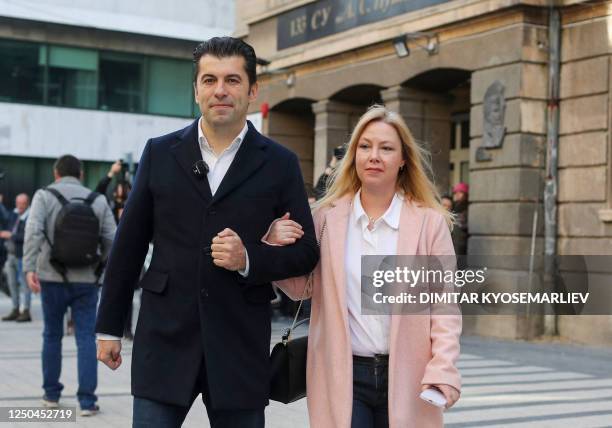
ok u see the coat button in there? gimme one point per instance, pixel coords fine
(207, 250)
(204, 292)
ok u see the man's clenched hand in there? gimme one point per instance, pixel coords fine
(228, 251)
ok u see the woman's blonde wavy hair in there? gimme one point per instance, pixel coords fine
(413, 179)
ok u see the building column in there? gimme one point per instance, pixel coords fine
(332, 128)
(506, 181)
(428, 117)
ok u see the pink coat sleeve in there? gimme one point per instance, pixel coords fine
(445, 326)
(294, 287)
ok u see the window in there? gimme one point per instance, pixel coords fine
(39, 73)
(465, 134)
(121, 82)
(459, 148)
(21, 72)
(169, 87)
(465, 172)
(72, 77)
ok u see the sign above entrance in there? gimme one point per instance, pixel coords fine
(327, 17)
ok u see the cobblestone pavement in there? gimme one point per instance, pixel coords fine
(505, 383)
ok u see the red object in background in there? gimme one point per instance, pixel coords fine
(265, 109)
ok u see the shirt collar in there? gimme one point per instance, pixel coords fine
(25, 214)
(235, 144)
(68, 180)
(391, 216)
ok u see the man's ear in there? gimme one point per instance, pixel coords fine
(253, 91)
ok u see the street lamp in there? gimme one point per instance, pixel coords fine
(402, 50)
(400, 44)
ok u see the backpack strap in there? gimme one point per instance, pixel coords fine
(89, 200)
(57, 266)
(58, 195)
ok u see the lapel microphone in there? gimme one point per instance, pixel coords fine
(200, 169)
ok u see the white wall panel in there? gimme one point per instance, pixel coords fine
(40, 131)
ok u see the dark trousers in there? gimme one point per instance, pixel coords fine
(370, 393)
(153, 414)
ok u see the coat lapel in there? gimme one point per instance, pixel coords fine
(187, 153)
(410, 228)
(250, 157)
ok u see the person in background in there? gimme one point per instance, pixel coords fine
(447, 202)
(367, 371)
(20, 293)
(5, 219)
(460, 208)
(120, 191)
(103, 184)
(120, 196)
(63, 283)
(117, 203)
(321, 186)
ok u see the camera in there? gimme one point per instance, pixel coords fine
(339, 152)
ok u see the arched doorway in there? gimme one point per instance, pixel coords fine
(436, 106)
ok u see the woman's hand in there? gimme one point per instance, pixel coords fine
(284, 231)
(449, 392)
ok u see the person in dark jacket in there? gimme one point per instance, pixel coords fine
(103, 184)
(120, 192)
(460, 208)
(5, 218)
(20, 293)
(205, 195)
(321, 187)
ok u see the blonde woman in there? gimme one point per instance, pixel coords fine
(368, 371)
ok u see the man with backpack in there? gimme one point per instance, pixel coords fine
(68, 236)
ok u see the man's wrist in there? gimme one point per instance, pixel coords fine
(245, 271)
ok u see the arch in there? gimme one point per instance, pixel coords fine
(296, 105)
(439, 80)
(360, 95)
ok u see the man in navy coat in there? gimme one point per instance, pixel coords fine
(205, 195)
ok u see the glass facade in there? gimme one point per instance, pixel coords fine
(121, 82)
(64, 76)
(21, 72)
(170, 87)
(72, 77)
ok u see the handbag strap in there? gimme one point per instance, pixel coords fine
(295, 324)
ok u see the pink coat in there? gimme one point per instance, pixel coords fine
(423, 348)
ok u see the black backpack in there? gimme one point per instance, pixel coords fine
(76, 233)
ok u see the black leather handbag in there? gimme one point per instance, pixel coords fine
(288, 357)
(288, 361)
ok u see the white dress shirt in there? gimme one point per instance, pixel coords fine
(217, 168)
(369, 333)
(218, 165)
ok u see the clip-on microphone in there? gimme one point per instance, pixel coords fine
(200, 169)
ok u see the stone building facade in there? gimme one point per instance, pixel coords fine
(474, 89)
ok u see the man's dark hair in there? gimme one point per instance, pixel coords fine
(68, 166)
(222, 47)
